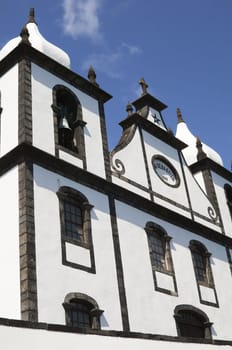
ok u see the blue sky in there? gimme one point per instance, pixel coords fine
(182, 48)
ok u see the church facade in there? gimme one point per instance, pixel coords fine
(128, 248)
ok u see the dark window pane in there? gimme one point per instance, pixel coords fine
(191, 325)
(157, 252)
(79, 315)
(199, 262)
(73, 220)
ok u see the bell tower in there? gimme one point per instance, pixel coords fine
(49, 114)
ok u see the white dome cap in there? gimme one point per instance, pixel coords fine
(190, 153)
(38, 42)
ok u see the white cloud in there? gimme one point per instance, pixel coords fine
(111, 62)
(81, 18)
(105, 62)
(133, 50)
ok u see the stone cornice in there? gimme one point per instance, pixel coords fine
(152, 129)
(51, 327)
(26, 51)
(207, 163)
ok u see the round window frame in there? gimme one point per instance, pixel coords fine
(169, 165)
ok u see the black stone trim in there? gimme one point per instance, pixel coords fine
(28, 281)
(104, 141)
(210, 190)
(185, 184)
(112, 333)
(229, 258)
(207, 219)
(1, 109)
(25, 51)
(212, 211)
(47, 161)
(131, 182)
(228, 195)
(153, 129)
(210, 164)
(25, 102)
(146, 163)
(126, 137)
(119, 266)
(149, 100)
(160, 196)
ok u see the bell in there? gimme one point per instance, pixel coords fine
(63, 123)
(63, 120)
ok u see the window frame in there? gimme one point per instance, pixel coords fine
(91, 308)
(70, 195)
(154, 230)
(200, 315)
(197, 247)
(77, 127)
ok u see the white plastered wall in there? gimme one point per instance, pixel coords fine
(42, 339)
(200, 203)
(200, 180)
(151, 311)
(43, 123)
(9, 116)
(9, 246)
(54, 280)
(154, 146)
(219, 183)
(133, 161)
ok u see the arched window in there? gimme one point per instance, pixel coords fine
(75, 215)
(75, 221)
(159, 247)
(228, 193)
(201, 263)
(192, 322)
(161, 259)
(68, 120)
(82, 311)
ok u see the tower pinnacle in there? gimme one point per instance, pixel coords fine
(179, 115)
(31, 18)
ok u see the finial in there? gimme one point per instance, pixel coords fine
(200, 154)
(92, 76)
(31, 18)
(25, 35)
(179, 115)
(129, 109)
(144, 86)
